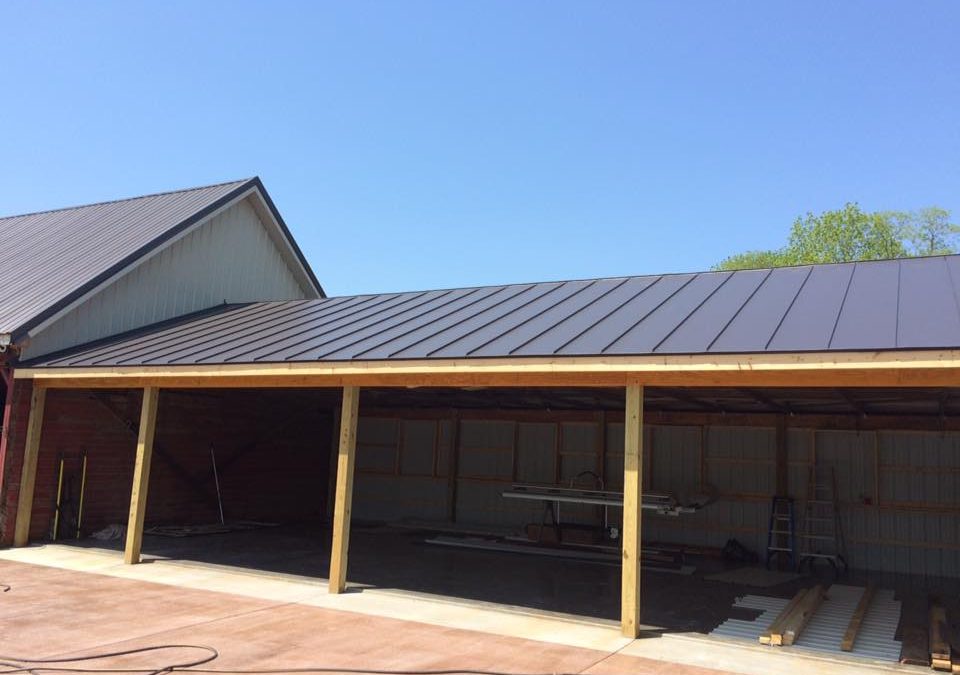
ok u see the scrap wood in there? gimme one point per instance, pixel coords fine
(801, 615)
(940, 657)
(774, 633)
(853, 628)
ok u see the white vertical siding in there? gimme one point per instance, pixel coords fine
(230, 258)
(899, 491)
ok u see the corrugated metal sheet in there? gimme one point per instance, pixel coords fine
(50, 258)
(854, 306)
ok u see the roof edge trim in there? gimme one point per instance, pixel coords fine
(872, 368)
(291, 241)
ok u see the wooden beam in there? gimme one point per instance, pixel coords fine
(920, 368)
(789, 624)
(773, 635)
(801, 615)
(853, 628)
(28, 475)
(343, 499)
(939, 640)
(141, 475)
(632, 496)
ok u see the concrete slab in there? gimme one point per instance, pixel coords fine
(63, 595)
(60, 613)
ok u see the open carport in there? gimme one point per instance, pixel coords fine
(471, 417)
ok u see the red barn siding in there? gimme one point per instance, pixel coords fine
(272, 451)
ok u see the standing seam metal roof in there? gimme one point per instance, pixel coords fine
(50, 258)
(867, 306)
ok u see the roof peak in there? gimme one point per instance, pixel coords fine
(130, 199)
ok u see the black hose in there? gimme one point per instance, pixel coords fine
(14, 664)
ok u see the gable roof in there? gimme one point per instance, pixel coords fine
(852, 307)
(50, 259)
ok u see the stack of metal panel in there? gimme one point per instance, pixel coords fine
(824, 633)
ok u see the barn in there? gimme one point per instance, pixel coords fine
(656, 451)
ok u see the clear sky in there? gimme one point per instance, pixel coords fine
(416, 145)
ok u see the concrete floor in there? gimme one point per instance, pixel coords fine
(54, 613)
(69, 599)
(389, 558)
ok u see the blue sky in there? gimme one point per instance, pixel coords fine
(431, 144)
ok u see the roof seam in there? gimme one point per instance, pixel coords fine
(357, 329)
(534, 316)
(796, 295)
(569, 316)
(692, 312)
(606, 316)
(555, 287)
(651, 311)
(403, 322)
(496, 304)
(440, 318)
(843, 302)
(739, 310)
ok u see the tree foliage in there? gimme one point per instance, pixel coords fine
(850, 234)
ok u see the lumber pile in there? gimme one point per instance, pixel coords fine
(789, 624)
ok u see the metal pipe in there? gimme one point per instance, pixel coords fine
(216, 480)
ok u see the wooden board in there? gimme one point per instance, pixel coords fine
(940, 658)
(801, 615)
(853, 628)
(920, 368)
(773, 635)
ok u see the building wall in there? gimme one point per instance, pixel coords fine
(271, 448)
(230, 258)
(899, 491)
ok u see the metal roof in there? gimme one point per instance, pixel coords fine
(50, 258)
(867, 306)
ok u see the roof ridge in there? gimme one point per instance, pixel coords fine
(649, 275)
(130, 199)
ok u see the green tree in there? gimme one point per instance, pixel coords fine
(928, 231)
(752, 260)
(844, 235)
(850, 234)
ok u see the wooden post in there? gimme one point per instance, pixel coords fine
(632, 500)
(28, 476)
(141, 475)
(346, 456)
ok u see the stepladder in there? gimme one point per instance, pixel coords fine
(782, 532)
(821, 536)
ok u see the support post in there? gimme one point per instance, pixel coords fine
(343, 499)
(632, 501)
(28, 476)
(141, 475)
